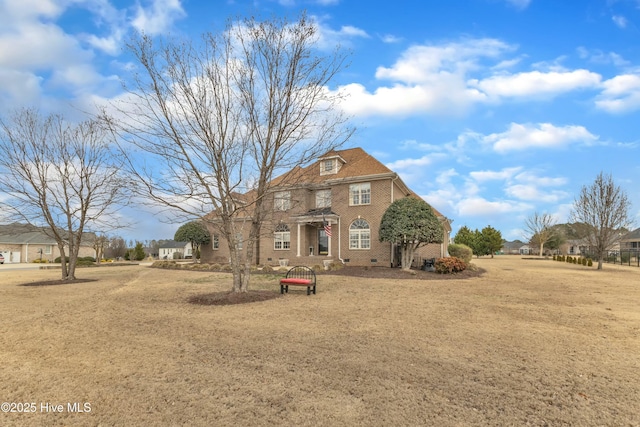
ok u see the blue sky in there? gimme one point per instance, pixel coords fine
(489, 109)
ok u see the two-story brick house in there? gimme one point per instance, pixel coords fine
(329, 211)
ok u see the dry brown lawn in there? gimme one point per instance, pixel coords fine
(530, 342)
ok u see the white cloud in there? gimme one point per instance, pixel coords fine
(440, 80)
(16, 85)
(13, 13)
(519, 4)
(389, 38)
(504, 174)
(599, 57)
(543, 135)
(328, 38)
(620, 94)
(529, 176)
(39, 45)
(478, 206)
(531, 192)
(426, 78)
(507, 63)
(158, 17)
(405, 163)
(536, 83)
(425, 64)
(620, 21)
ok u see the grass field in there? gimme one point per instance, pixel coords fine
(530, 342)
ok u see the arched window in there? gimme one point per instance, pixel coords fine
(359, 234)
(282, 237)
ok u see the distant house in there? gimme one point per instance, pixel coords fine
(328, 211)
(26, 243)
(512, 248)
(171, 247)
(575, 247)
(525, 250)
(630, 241)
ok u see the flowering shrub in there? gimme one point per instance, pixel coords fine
(449, 265)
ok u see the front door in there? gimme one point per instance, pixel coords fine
(323, 242)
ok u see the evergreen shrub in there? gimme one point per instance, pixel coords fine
(461, 251)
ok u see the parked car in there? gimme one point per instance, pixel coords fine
(1, 259)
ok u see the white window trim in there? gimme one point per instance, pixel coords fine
(357, 189)
(359, 232)
(282, 235)
(323, 199)
(282, 200)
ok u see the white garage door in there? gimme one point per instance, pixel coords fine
(10, 257)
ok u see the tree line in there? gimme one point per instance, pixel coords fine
(487, 241)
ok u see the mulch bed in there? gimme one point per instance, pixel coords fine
(399, 274)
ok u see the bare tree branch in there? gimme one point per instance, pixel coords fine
(206, 126)
(60, 176)
(539, 228)
(604, 208)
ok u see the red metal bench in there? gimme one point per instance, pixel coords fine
(299, 276)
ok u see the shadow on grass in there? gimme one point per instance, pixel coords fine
(58, 282)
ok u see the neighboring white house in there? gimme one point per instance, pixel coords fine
(525, 250)
(171, 247)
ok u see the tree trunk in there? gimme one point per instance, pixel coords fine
(408, 250)
(63, 261)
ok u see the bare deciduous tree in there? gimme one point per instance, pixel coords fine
(217, 120)
(539, 228)
(604, 208)
(99, 243)
(116, 247)
(60, 176)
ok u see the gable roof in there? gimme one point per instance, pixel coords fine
(516, 244)
(633, 235)
(22, 234)
(357, 163)
(172, 244)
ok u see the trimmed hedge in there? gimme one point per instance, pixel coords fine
(461, 251)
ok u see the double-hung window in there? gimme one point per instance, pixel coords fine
(360, 194)
(323, 199)
(282, 200)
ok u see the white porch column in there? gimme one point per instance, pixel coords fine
(298, 241)
(329, 244)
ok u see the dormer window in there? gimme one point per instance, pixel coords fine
(331, 165)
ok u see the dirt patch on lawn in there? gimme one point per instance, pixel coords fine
(231, 298)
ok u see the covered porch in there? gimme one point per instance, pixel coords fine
(317, 236)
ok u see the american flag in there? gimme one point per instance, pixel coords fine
(327, 227)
